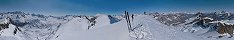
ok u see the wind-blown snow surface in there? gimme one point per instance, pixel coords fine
(72, 31)
(105, 27)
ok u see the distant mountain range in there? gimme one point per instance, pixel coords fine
(22, 26)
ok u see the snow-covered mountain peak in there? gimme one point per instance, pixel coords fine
(155, 26)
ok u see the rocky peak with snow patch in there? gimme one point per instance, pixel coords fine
(145, 27)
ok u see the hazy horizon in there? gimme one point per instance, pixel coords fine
(93, 7)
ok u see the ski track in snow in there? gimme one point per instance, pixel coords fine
(77, 29)
(163, 32)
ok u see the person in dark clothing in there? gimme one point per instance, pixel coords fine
(132, 17)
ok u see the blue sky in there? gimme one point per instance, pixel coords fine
(92, 7)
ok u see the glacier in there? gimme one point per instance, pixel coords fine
(150, 26)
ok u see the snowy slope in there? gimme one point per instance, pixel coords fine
(106, 27)
(7, 34)
(159, 31)
(154, 30)
(73, 31)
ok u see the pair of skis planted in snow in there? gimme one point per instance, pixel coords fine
(128, 20)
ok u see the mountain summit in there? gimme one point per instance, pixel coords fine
(149, 26)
